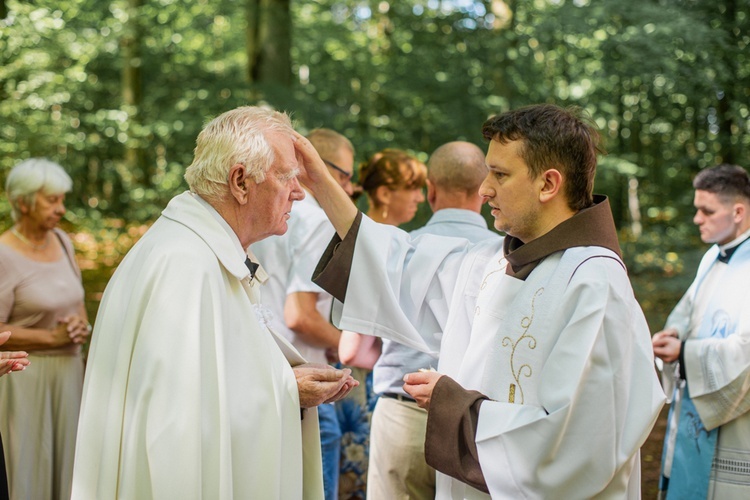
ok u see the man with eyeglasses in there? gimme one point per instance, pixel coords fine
(300, 308)
(343, 176)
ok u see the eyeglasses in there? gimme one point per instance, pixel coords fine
(338, 169)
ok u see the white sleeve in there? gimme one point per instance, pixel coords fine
(718, 374)
(679, 318)
(396, 280)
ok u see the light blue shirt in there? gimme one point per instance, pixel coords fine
(396, 359)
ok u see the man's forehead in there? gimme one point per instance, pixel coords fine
(344, 159)
(706, 198)
(499, 152)
(280, 140)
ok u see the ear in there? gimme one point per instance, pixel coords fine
(431, 193)
(238, 183)
(383, 195)
(22, 206)
(551, 184)
(739, 212)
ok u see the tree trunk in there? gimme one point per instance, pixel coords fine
(727, 95)
(269, 31)
(132, 90)
(252, 43)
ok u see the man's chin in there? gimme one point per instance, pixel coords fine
(708, 239)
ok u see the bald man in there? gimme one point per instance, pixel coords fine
(397, 463)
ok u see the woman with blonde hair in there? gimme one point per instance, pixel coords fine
(41, 304)
(393, 181)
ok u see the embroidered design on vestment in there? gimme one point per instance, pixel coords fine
(525, 369)
(483, 285)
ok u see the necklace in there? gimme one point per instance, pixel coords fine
(25, 240)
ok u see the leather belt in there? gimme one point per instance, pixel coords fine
(397, 396)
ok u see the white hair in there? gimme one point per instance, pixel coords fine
(31, 176)
(237, 136)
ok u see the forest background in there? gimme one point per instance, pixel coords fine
(117, 91)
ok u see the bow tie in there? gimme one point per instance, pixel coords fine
(252, 266)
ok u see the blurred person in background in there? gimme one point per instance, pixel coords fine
(393, 181)
(42, 305)
(705, 350)
(300, 308)
(397, 466)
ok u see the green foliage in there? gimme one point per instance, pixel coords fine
(666, 82)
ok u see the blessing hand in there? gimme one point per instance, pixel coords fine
(313, 171)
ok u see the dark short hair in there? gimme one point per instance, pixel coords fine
(553, 137)
(725, 180)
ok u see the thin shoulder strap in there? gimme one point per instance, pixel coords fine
(67, 252)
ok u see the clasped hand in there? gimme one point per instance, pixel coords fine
(318, 383)
(74, 328)
(667, 345)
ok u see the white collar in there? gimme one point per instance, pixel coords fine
(200, 217)
(727, 246)
(222, 222)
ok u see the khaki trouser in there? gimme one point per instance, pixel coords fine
(397, 467)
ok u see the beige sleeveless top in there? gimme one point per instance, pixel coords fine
(35, 294)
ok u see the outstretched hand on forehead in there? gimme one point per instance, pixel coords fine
(313, 171)
(327, 191)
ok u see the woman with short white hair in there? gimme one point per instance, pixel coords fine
(41, 304)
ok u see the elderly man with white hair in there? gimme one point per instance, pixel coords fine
(187, 392)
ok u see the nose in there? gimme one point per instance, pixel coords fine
(297, 193)
(348, 188)
(697, 219)
(485, 191)
(60, 209)
(420, 196)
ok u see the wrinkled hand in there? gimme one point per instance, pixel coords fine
(420, 385)
(77, 328)
(318, 384)
(11, 361)
(667, 345)
(313, 170)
